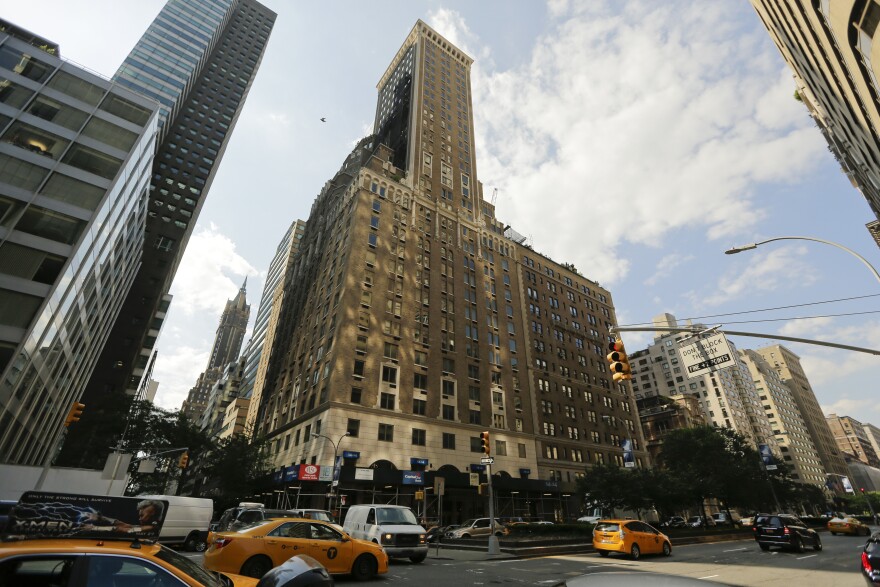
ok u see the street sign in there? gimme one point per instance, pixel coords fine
(706, 355)
(487, 461)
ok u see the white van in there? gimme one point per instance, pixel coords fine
(395, 527)
(186, 521)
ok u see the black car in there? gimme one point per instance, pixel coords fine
(5, 508)
(871, 560)
(674, 522)
(785, 531)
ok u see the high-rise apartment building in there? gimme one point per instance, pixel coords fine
(788, 366)
(782, 412)
(829, 47)
(414, 320)
(224, 351)
(263, 323)
(873, 434)
(75, 157)
(199, 59)
(728, 396)
(874, 228)
(852, 439)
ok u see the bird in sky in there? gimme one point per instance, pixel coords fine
(323, 120)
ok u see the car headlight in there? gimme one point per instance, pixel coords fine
(387, 537)
(421, 538)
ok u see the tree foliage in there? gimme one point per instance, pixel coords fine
(236, 467)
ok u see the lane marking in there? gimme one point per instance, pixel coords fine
(800, 558)
(708, 577)
(737, 549)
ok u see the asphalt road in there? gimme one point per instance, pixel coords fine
(730, 563)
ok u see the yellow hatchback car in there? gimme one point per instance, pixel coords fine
(631, 537)
(253, 550)
(848, 525)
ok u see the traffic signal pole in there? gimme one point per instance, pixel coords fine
(494, 547)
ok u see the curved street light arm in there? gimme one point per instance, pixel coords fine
(734, 250)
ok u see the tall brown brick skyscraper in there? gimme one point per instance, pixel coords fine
(414, 319)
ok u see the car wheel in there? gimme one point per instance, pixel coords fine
(603, 553)
(667, 549)
(364, 567)
(834, 533)
(195, 543)
(764, 546)
(797, 544)
(256, 567)
(419, 557)
(867, 531)
(465, 535)
(817, 545)
(499, 534)
(635, 552)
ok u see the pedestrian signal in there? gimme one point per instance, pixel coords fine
(184, 460)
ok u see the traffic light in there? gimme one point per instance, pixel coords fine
(484, 442)
(184, 460)
(862, 489)
(74, 414)
(618, 361)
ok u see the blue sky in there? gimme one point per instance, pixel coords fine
(660, 133)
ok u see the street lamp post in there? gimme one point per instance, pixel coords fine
(734, 250)
(334, 483)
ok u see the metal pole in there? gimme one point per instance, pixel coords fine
(493, 540)
(50, 456)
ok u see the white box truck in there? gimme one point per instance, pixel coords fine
(186, 521)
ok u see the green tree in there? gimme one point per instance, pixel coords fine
(235, 468)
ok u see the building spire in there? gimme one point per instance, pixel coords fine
(244, 285)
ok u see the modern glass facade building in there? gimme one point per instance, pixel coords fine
(199, 58)
(75, 157)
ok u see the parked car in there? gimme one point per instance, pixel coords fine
(589, 519)
(674, 522)
(246, 514)
(254, 550)
(477, 527)
(435, 533)
(700, 522)
(723, 519)
(871, 560)
(848, 525)
(785, 531)
(630, 537)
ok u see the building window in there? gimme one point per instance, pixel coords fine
(448, 387)
(419, 407)
(474, 416)
(354, 427)
(418, 437)
(449, 441)
(420, 381)
(358, 368)
(386, 401)
(448, 412)
(386, 432)
(355, 395)
(389, 375)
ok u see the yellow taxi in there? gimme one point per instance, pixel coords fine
(75, 561)
(848, 525)
(68, 539)
(255, 549)
(631, 537)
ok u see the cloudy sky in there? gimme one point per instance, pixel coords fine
(637, 140)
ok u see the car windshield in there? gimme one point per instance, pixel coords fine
(606, 527)
(318, 515)
(469, 523)
(398, 516)
(189, 567)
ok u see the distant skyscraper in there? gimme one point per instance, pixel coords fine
(75, 158)
(199, 59)
(788, 366)
(225, 350)
(414, 321)
(874, 229)
(829, 47)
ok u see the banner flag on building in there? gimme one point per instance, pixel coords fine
(847, 486)
(629, 459)
(767, 457)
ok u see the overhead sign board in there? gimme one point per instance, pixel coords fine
(706, 355)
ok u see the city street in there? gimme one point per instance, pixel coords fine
(732, 563)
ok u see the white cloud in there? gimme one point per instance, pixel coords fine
(666, 265)
(804, 328)
(177, 370)
(635, 127)
(202, 282)
(829, 368)
(850, 407)
(781, 267)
